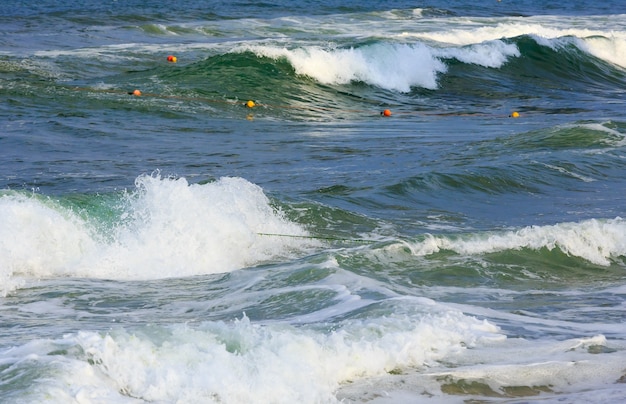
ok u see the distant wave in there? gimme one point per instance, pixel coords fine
(401, 67)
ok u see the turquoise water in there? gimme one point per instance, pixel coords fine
(178, 246)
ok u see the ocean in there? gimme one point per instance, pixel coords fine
(312, 202)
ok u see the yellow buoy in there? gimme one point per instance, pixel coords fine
(515, 114)
(250, 104)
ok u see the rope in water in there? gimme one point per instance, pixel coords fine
(345, 240)
(252, 104)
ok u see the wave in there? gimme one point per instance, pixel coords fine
(578, 135)
(601, 242)
(402, 67)
(508, 180)
(259, 67)
(607, 43)
(279, 363)
(564, 62)
(164, 228)
(389, 66)
(168, 228)
(304, 78)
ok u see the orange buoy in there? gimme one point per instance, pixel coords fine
(136, 93)
(171, 58)
(386, 113)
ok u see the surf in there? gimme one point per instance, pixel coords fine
(163, 228)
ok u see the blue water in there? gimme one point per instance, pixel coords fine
(179, 246)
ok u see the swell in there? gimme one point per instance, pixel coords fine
(163, 228)
(376, 73)
(564, 63)
(566, 158)
(584, 254)
(313, 82)
(544, 73)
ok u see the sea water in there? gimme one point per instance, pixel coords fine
(180, 247)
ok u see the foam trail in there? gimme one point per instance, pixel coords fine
(542, 370)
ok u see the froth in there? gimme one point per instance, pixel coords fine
(492, 54)
(597, 241)
(517, 371)
(242, 362)
(397, 67)
(606, 45)
(179, 229)
(611, 49)
(39, 238)
(391, 66)
(167, 228)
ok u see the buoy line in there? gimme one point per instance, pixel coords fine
(250, 104)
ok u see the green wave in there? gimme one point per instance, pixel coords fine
(580, 135)
(532, 81)
(565, 63)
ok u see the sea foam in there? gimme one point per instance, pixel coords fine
(597, 241)
(243, 362)
(390, 66)
(166, 228)
(609, 46)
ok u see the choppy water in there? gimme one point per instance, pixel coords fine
(180, 247)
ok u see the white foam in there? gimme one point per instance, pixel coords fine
(38, 238)
(478, 33)
(168, 228)
(417, 13)
(611, 48)
(398, 356)
(391, 66)
(597, 241)
(606, 44)
(242, 362)
(492, 54)
(550, 368)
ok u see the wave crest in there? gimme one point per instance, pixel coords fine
(597, 241)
